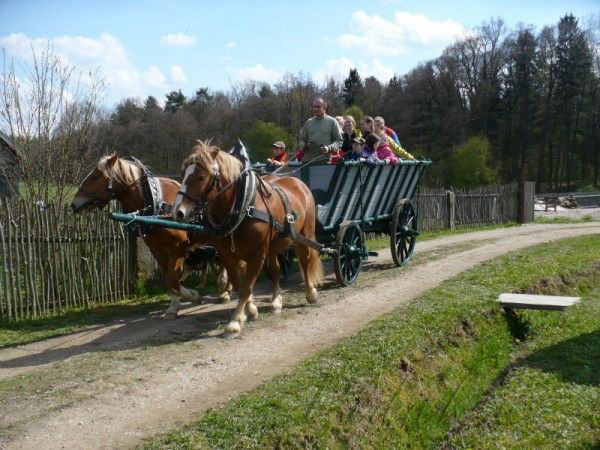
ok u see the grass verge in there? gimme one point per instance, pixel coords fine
(564, 219)
(410, 378)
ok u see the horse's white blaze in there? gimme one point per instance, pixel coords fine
(179, 206)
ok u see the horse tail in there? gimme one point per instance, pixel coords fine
(314, 272)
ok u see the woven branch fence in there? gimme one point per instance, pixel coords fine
(52, 260)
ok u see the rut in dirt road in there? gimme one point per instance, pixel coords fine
(116, 384)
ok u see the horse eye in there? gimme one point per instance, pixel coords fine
(201, 178)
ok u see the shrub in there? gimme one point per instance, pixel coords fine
(468, 165)
(261, 136)
(355, 112)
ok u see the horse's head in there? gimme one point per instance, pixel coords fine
(101, 185)
(205, 172)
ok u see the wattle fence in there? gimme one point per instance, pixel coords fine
(52, 260)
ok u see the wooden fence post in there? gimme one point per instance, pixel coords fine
(520, 194)
(450, 208)
(133, 260)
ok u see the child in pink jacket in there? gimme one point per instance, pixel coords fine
(385, 153)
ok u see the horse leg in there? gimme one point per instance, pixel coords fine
(225, 287)
(276, 301)
(177, 291)
(245, 303)
(312, 270)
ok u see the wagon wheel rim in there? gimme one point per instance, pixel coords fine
(348, 260)
(403, 232)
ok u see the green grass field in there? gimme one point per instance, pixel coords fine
(450, 369)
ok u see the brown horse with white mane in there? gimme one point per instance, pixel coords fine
(120, 179)
(216, 186)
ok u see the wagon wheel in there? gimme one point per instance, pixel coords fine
(347, 262)
(403, 231)
(286, 259)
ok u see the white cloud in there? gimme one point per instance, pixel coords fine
(259, 72)
(376, 35)
(230, 44)
(178, 39)
(177, 74)
(106, 53)
(154, 77)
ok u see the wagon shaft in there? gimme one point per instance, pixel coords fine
(156, 221)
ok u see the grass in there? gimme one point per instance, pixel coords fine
(564, 219)
(383, 241)
(411, 378)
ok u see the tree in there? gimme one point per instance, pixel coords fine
(352, 88)
(50, 113)
(468, 165)
(175, 101)
(261, 136)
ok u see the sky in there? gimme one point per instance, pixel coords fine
(152, 47)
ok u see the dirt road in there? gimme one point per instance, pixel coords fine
(112, 385)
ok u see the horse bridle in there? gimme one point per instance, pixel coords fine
(98, 202)
(200, 202)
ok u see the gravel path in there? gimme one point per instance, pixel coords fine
(112, 385)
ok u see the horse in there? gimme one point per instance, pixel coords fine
(117, 178)
(212, 185)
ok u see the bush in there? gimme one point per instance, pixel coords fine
(261, 136)
(468, 164)
(355, 112)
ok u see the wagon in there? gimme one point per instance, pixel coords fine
(352, 199)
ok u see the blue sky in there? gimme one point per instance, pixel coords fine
(152, 47)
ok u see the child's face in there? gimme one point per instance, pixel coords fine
(277, 151)
(356, 148)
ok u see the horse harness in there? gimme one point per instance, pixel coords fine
(243, 208)
(152, 194)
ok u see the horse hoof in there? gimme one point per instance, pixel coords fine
(224, 298)
(275, 309)
(232, 330)
(312, 296)
(227, 335)
(251, 311)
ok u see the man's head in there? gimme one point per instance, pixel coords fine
(319, 107)
(366, 124)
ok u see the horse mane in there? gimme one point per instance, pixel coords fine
(205, 154)
(122, 171)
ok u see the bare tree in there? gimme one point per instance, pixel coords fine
(49, 110)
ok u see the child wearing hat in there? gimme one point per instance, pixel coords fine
(280, 156)
(357, 152)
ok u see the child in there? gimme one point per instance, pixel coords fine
(280, 156)
(384, 152)
(356, 153)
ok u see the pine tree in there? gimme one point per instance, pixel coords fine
(352, 88)
(175, 100)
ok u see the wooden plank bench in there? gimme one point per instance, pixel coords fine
(527, 301)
